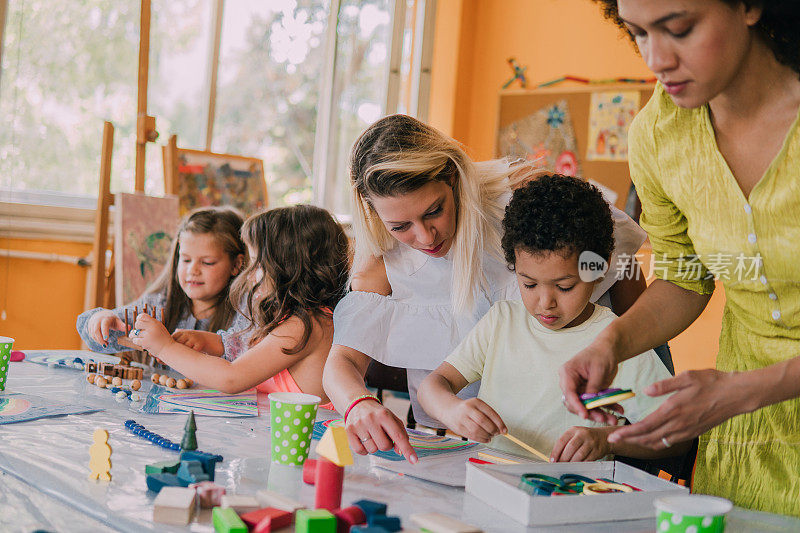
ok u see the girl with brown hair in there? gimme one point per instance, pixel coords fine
(297, 274)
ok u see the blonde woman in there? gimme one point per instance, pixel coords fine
(427, 267)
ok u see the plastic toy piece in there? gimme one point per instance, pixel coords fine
(270, 498)
(156, 482)
(209, 494)
(164, 467)
(334, 447)
(100, 453)
(605, 397)
(275, 518)
(371, 508)
(329, 479)
(240, 503)
(348, 517)
(191, 472)
(174, 505)
(439, 523)
(389, 523)
(189, 441)
(209, 461)
(315, 521)
(226, 520)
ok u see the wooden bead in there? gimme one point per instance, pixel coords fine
(189, 383)
(162, 380)
(181, 384)
(101, 382)
(154, 378)
(136, 384)
(90, 378)
(171, 383)
(117, 381)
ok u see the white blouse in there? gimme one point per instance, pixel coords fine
(415, 327)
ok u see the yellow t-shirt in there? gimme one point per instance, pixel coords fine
(517, 361)
(700, 222)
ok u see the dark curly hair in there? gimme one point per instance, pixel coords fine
(778, 26)
(304, 255)
(556, 213)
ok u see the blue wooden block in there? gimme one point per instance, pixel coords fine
(371, 508)
(368, 529)
(156, 482)
(208, 460)
(191, 472)
(389, 523)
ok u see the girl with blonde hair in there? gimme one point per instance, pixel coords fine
(428, 265)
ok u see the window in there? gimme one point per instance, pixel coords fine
(68, 66)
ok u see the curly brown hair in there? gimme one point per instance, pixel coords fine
(303, 254)
(777, 26)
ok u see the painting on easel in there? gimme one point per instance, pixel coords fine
(143, 231)
(209, 179)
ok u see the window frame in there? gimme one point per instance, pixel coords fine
(59, 216)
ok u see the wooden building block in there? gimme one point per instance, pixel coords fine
(334, 447)
(208, 494)
(389, 523)
(328, 481)
(371, 507)
(439, 523)
(191, 472)
(240, 503)
(348, 517)
(174, 505)
(277, 518)
(226, 520)
(164, 467)
(270, 498)
(314, 521)
(156, 482)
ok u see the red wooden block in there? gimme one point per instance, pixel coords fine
(277, 518)
(349, 517)
(329, 481)
(310, 471)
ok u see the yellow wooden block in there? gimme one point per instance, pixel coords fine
(333, 446)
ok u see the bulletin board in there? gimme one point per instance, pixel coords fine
(516, 105)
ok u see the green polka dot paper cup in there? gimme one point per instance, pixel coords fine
(292, 416)
(694, 513)
(5, 356)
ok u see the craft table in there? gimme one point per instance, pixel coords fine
(44, 465)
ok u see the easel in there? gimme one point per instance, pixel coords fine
(101, 292)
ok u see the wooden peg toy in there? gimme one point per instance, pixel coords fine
(189, 441)
(100, 456)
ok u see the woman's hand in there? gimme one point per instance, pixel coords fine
(101, 323)
(581, 444)
(372, 427)
(702, 399)
(474, 419)
(590, 370)
(201, 341)
(150, 334)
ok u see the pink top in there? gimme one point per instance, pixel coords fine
(284, 382)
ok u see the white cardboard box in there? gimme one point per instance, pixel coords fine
(497, 486)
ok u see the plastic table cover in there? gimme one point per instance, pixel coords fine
(44, 464)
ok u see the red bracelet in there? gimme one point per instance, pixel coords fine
(359, 400)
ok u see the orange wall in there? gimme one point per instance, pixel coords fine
(43, 298)
(550, 37)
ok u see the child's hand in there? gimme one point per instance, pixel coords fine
(150, 334)
(474, 419)
(580, 443)
(101, 323)
(201, 341)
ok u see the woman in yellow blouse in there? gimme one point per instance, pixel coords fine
(715, 157)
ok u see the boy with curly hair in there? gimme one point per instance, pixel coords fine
(558, 238)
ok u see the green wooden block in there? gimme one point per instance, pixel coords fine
(314, 521)
(227, 521)
(164, 467)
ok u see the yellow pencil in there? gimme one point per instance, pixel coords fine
(531, 449)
